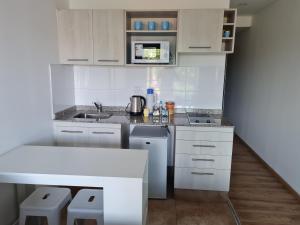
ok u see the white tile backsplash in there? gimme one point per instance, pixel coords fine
(190, 87)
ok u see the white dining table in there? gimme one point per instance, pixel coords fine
(123, 175)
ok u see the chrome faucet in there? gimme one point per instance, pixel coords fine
(98, 106)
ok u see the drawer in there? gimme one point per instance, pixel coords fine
(195, 135)
(202, 179)
(203, 161)
(203, 147)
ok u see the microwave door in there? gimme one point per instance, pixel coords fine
(152, 52)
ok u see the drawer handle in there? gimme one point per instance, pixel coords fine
(108, 60)
(204, 160)
(72, 131)
(200, 47)
(103, 132)
(202, 174)
(204, 146)
(78, 60)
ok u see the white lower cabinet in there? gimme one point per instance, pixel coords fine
(104, 137)
(203, 158)
(87, 135)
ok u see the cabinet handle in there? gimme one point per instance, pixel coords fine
(108, 60)
(200, 47)
(202, 174)
(204, 146)
(78, 60)
(204, 160)
(72, 131)
(103, 132)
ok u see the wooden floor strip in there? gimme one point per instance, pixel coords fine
(257, 195)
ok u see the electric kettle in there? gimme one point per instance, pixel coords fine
(137, 105)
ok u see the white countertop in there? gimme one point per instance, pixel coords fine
(74, 161)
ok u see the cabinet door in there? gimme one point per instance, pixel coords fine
(108, 33)
(104, 137)
(200, 30)
(75, 36)
(71, 136)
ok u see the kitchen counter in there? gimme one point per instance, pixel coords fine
(122, 117)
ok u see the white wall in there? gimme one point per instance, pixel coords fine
(146, 4)
(263, 93)
(62, 83)
(62, 4)
(189, 87)
(28, 44)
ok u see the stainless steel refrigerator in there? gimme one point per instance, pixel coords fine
(156, 139)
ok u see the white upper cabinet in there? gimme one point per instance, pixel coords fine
(108, 35)
(200, 30)
(75, 36)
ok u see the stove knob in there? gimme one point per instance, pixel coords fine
(207, 121)
(197, 121)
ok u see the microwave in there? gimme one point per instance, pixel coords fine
(150, 52)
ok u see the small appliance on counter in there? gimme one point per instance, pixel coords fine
(150, 52)
(137, 105)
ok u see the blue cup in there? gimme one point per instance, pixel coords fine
(151, 25)
(226, 33)
(165, 25)
(138, 25)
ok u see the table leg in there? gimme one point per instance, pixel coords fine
(124, 201)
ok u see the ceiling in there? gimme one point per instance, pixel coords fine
(249, 7)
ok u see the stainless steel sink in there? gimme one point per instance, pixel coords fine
(97, 116)
(200, 118)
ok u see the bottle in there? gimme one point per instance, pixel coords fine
(150, 100)
(160, 107)
(163, 110)
(156, 110)
(146, 112)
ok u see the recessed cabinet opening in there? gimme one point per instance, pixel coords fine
(151, 28)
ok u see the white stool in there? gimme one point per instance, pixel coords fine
(87, 204)
(45, 201)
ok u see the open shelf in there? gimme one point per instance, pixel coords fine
(230, 16)
(229, 25)
(146, 16)
(154, 32)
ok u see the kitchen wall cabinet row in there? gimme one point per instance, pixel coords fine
(98, 36)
